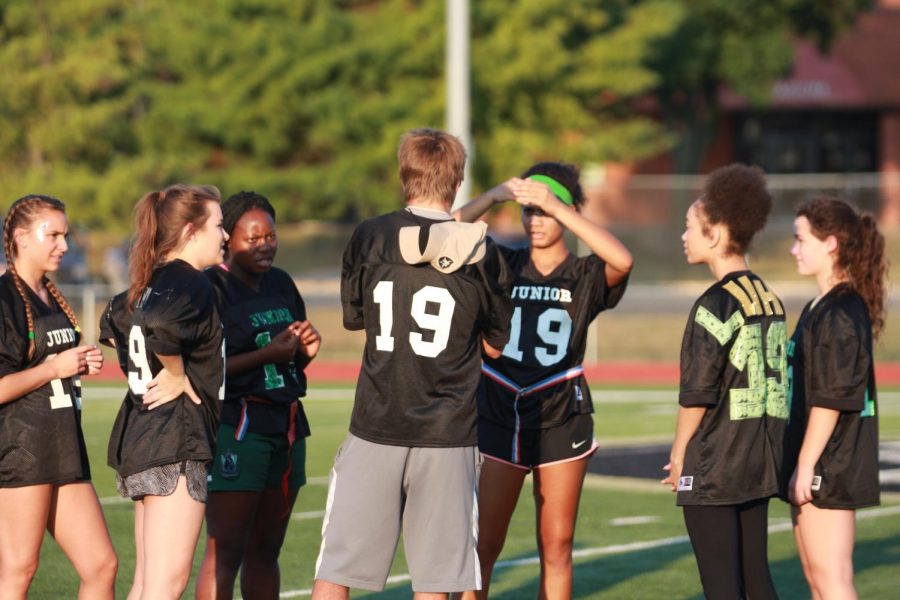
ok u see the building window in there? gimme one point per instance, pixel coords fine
(808, 142)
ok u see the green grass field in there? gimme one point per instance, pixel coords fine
(617, 555)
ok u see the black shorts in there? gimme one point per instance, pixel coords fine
(534, 448)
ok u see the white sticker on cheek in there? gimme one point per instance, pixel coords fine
(41, 231)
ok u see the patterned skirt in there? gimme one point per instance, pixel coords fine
(162, 481)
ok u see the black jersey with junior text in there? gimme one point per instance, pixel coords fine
(547, 339)
(252, 318)
(424, 327)
(832, 366)
(175, 316)
(40, 433)
(733, 362)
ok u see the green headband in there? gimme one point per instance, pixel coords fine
(558, 189)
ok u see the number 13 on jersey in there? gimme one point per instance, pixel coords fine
(439, 324)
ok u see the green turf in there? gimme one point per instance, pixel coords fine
(666, 571)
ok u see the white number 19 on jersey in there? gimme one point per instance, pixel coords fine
(137, 352)
(554, 327)
(383, 295)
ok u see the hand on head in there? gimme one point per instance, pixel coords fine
(503, 191)
(535, 194)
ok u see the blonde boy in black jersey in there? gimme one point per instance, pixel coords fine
(429, 293)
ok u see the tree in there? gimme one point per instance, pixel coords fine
(557, 80)
(744, 44)
(305, 100)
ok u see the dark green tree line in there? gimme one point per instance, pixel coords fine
(304, 100)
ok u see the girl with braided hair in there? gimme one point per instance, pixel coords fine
(831, 440)
(164, 434)
(45, 479)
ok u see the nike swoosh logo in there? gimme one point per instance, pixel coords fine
(575, 446)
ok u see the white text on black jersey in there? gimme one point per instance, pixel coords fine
(55, 337)
(541, 292)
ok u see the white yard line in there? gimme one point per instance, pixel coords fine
(870, 513)
(346, 394)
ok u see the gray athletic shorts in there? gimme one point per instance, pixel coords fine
(376, 490)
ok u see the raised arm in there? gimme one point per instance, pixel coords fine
(601, 242)
(470, 212)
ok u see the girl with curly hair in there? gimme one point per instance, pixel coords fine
(733, 383)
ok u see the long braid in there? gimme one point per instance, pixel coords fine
(62, 302)
(9, 247)
(24, 209)
(29, 317)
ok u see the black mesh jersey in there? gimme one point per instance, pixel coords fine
(733, 362)
(176, 316)
(548, 336)
(831, 366)
(115, 323)
(420, 366)
(251, 319)
(40, 434)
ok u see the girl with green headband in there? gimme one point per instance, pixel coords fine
(534, 404)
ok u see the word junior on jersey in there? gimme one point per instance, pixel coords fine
(541, 292)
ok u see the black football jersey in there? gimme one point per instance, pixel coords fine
(251, 319)
(831, 366)
(115, 323)
(547, 338)
(420, 366)
(40, 434)
(733, 362)
(175, 316)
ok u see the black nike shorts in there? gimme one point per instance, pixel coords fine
(534, 448)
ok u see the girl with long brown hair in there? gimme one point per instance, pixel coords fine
(45, 479)
(165, 431)
(831, 442)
